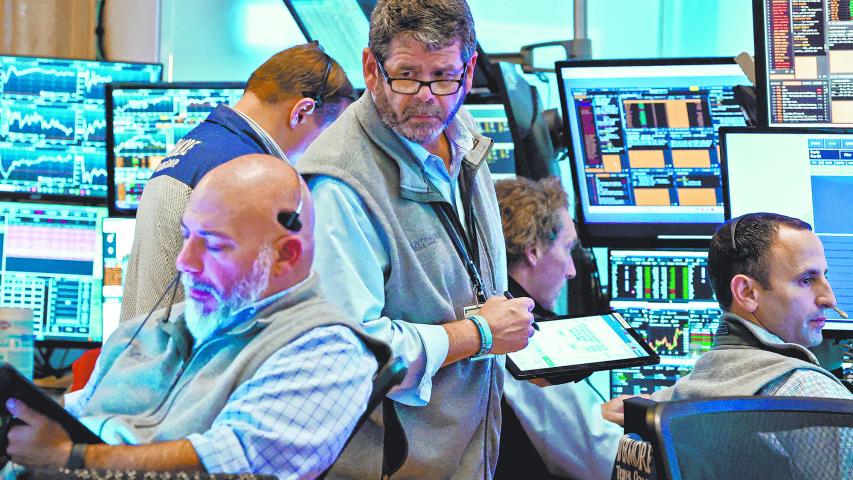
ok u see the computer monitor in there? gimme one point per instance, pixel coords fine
(340, 26)
(666, 295)
(492, 120)
(643, 136)
(144, 122)
(802, 173)
(53, 126)
(804, 62)
(118, 240)
(51, 264)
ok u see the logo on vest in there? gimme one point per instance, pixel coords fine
(181, 148)
(424, 242)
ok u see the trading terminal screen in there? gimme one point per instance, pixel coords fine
(804, 57)
(340, 26)
(51, 264)
(802, 174)
(144, 124)
(118, 240)
(493, 122)
(667, 297)
(645, 145)
(53, 125)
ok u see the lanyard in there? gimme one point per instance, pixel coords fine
(462, 242)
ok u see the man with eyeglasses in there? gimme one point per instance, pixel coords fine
(288, 101)
(409, 241)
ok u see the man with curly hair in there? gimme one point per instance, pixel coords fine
(558, 431)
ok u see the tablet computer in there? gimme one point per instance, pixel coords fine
(580, 344)
(15, 385)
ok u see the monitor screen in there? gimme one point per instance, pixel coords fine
(804, 62)
(144, 122)
(491, 118)
(667, 297)
(51, 264)
(807, 174)
(118, 240)
(643, 136)
(340, 26)
(53, 125)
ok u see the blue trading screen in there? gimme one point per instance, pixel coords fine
(118, 241)
(53, 125)
(147, 121)
(815, 171)
(52, 265)
(667, 297)
(644, 139)
(494, 123)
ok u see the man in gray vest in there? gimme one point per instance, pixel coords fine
(255, 372)
(409, 242)
(769, 274)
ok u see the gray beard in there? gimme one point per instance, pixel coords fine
(420, 136)
(202, 325)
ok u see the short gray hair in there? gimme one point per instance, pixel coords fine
(435, 23)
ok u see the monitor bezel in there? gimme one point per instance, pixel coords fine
(110, 88)
(645, 235)
(64, 198)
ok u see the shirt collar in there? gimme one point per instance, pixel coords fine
(271, 144)
(461, 142)
(248, 313)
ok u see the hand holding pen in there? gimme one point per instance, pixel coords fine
(510, 297)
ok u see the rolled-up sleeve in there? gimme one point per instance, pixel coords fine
(351, 256)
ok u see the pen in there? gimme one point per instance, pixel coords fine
(510, 297)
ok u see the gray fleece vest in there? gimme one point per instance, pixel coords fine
(456, 434)
(740, 364)
(158, 388)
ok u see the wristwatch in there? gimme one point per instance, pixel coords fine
(77, 459)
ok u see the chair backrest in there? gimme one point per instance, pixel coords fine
(747, 437)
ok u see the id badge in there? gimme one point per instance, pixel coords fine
(471, 310)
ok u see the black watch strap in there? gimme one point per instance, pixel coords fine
(77, 459)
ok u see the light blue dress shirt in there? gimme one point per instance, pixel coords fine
(292, 417)
(351, 256)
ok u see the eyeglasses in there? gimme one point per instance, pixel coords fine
(733, 230)
(410, 86)
(318, 95)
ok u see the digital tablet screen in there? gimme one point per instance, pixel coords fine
(573, 344)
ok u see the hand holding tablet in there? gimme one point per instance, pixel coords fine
(579, 345)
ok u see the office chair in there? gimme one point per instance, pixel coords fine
(747, 437)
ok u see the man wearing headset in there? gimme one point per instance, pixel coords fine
(254, 373)
(769, 274)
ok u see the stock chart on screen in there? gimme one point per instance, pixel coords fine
(51, 263)
(667, 297)
(145, 122)
(493, 122)
(53, 124)
(804, 62)
(645, 147)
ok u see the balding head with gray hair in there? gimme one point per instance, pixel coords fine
(434, 23)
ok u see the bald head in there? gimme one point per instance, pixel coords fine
(231, 224)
